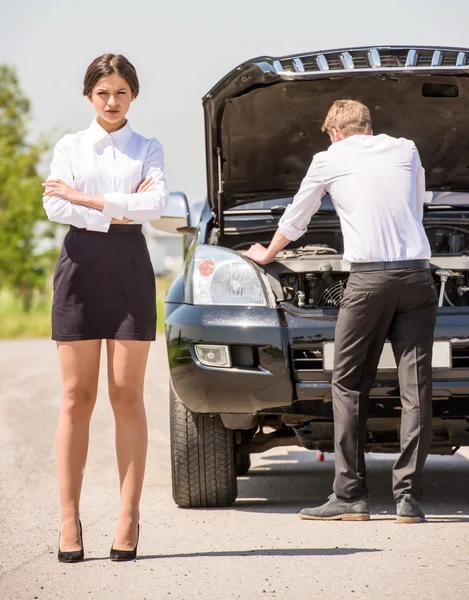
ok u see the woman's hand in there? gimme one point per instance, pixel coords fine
(57, 187)
(146, 186)
(257, 253)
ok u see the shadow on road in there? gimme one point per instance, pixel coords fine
(263, 552)
(267, 552)
(288, 482)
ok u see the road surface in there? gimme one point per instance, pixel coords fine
(257, 550)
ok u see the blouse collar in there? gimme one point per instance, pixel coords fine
(119, 137)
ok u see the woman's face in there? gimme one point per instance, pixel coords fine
(111, 98)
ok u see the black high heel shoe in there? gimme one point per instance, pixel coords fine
(73, 556)
(122, 555)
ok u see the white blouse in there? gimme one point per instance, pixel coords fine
(96, 162)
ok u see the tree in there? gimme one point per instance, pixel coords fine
(23, 266)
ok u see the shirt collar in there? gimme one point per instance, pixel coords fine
(363, 140)
(119, 137)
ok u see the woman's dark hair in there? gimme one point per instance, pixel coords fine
(110, 64)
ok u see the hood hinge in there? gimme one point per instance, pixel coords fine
(220, 189)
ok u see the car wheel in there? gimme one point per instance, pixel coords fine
(242, 463)
(202, 458)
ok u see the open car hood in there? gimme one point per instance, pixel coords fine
(263, 120)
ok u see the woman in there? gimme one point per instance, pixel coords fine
(105, 182)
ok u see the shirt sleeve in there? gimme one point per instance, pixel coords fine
(296, 218)
(420, 185)
(63, 211)
(146, 206)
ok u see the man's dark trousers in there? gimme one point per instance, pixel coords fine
(400, 305)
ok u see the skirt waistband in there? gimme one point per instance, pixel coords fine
(129, 229)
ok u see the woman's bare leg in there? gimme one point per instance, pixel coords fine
(79, 365)
(127, 362)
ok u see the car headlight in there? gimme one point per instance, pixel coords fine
(223, 277)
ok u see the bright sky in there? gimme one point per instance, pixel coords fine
(181, 48)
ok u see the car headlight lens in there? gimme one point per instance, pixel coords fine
(223, 277)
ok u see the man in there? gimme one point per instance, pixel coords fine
(377, 185)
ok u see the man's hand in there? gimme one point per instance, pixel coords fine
(258, 254)
(264, 256)
(57, 187)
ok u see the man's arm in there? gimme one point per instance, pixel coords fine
(295, 220)
(262, 255)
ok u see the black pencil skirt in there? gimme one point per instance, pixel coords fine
(104, 286)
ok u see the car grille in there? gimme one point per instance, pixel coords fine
(373, 58)
(307, 360)
(310, 360)
(460, 355)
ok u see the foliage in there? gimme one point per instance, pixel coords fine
(16, 323)
(24, 265)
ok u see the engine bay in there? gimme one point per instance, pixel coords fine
(320, 276)
(324, 288)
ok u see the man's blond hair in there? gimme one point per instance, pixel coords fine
(350, 117)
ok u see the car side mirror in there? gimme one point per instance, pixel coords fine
(176, 217)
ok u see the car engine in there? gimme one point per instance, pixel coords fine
(325, 289)
(323, 285)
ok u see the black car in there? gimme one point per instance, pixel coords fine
(251, 348)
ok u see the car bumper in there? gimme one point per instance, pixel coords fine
(276, 382)
(239, 389)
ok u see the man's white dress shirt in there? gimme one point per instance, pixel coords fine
(377, 185)
(114, 165)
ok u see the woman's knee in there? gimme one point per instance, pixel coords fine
(125, 400)
(78, 402)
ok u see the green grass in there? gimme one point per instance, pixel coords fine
(15, 323)
(162, 285)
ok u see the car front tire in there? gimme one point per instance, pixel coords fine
(202, 459)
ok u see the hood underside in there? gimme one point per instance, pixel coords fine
(263, 124)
